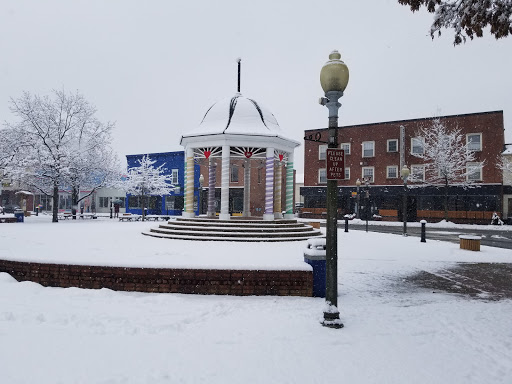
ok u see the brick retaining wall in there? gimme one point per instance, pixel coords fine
(195, 281)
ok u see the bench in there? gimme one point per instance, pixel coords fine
(469, 242)
(157, 217)
(64, 216)
(87, 216)
(129, 217)
(8, 219)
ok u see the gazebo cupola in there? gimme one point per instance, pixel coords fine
(240, 128)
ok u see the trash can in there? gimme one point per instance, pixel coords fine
(19, 214)
(314, 255)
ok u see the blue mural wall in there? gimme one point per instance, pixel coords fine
(170, 204)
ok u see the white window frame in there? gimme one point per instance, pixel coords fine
(413, 139)
(372, 180)
(474, 165)
(347, 172)
(468, 142)
(346, 148)
(321, 172)
(175, 176)
(373, 148)
(387, 145)
(413, 174)
(322, 152)
(396, 171)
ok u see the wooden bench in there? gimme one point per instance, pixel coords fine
(129, 217)
(8, 219)
(469, 242)
(157, 217)
(87, 216)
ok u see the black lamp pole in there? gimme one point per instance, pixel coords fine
(334, 79)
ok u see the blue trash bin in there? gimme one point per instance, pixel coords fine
(314, 255)
(20, 215)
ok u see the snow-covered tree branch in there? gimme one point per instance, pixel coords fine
(146, 180)
(57, 143)
(448, 159)
(468, 18)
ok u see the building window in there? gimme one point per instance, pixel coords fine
(322, 176)
(104, 202)
(347, 173)
(474, 171)
(345, 147)
(417, 145)
(392, 172)
(234, 173)
(368, 173)
(393, 145)
(368, 148)
(418, 172)
(322, 152)
(174, 177)
(474, 141)
(133, 202)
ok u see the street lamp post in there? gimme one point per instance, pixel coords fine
(405, 174)
(367, 197)
(333, 79)
(358, 184)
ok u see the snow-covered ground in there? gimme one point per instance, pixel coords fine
(393, 333)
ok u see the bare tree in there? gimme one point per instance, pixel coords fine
(57, 143)
(467, 18)
(146, 180)
(447, 158)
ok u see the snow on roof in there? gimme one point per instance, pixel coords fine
(237, 115)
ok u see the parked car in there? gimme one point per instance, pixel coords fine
(10, 208)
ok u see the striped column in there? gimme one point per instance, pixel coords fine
(224, 189)
(289, 187)
(212, 175)
(277, 191)
(269, 186)
(189, 184)
(247, 188)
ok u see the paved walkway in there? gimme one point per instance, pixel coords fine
(487, 281)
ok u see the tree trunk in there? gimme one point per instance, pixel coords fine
(142, 205)
(446, 201)
(74, 201)
(55, 208)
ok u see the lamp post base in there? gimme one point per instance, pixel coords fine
(332, 320)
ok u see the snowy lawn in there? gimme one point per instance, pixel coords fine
(393, 333)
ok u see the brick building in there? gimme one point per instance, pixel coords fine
(378, 152)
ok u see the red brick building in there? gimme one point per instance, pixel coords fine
(378, 152)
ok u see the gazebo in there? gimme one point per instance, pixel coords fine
(239, 128)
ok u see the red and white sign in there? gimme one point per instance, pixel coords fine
(335, 164)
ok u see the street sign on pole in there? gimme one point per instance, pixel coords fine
(335, 164)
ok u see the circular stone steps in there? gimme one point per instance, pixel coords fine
(245, 230)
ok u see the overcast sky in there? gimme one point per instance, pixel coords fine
(155, 67)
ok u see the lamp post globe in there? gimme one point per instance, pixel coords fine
(334, 74)
(405, 175)
(333, 79)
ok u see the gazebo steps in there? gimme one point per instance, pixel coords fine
(236, 230)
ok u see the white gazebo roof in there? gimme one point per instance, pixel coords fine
(238, 120)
